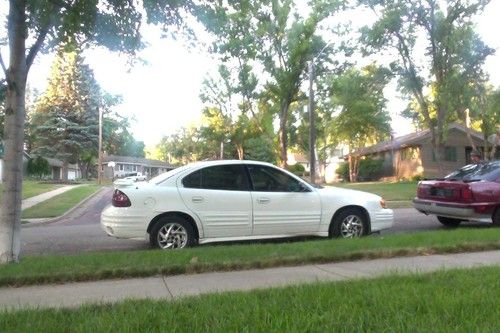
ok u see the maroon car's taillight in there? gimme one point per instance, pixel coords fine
(466, 194)
(120, 199)
(421, 191)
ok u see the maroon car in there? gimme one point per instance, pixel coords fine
(468, 194)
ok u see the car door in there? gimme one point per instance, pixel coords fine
(282, 204)
(219, 196)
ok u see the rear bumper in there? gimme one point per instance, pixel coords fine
(454, 210)
(117, 224)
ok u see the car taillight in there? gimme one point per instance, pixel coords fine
(421, 192)
(120, 199)
(466, 194)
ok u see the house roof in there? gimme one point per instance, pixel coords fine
(54, 162)
(412, 139)
(136, 160)
(299, 158)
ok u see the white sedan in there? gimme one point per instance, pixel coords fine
(237, 200)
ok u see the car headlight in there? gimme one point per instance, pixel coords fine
(383, 204)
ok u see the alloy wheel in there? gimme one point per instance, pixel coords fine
(351, 226)
(172, 236)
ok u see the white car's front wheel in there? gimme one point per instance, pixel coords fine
(172, 233)
(350, 223)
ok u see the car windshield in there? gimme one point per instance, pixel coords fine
(166, 175)
(476, 172)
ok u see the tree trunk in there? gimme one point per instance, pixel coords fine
(494, 144)
(10, 212)
(283, 134)
(468, 126)
(240, 151)
(64, 176)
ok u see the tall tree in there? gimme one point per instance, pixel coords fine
(359, 114)
(113, 24)
(272, 34)
(66, 116)
(452, 53)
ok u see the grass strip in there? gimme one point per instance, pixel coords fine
(445, 301)
(400, 191)
(33, 188)
(60, 204)
(109, 265)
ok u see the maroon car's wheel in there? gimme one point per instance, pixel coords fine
(496, 217)
(449, 222)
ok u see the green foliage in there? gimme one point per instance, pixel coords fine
(423, 302)
(297, 169)
(38, 167)
(369, 169)
(66, 115)
(451, 59)
(343, 171)
(274, 35)
(361, 118)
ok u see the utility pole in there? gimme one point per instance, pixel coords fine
(312, 126)
(99, 167)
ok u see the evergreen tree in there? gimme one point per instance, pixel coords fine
(66, 116)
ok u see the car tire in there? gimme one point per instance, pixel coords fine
(449, 222)
(172, 233)
(496, 217)
(349, 223)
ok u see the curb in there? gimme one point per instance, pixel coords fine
(43, 221)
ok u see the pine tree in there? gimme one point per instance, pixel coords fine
(66, 116)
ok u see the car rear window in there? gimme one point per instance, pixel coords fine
(476, 172)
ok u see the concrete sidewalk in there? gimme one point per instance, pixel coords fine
(30, 202)
(174, 287)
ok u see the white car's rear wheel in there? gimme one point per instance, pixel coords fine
(172, 233)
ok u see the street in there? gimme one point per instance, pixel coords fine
(80, 231)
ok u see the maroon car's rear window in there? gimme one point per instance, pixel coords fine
(474, 172)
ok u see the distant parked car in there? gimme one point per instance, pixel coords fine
(236, 200)
(468, 194)
(135, 176)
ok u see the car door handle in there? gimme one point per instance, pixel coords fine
(263, 201)
(197, 199)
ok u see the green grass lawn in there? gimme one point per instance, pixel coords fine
(401, 191)
(33, 188)
(61, 203)
(445, 301)
(108, 265)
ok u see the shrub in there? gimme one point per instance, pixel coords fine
(369, 169)
(38, 167)
(343, 171)
(297, 169)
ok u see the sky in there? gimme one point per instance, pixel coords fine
(162, 94)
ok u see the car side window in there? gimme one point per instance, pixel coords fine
(192, 180)
(220, 177)
(267, 179)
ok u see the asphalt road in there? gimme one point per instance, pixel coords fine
(80, 231)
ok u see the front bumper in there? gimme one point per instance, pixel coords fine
(453, 210)
(382, 219)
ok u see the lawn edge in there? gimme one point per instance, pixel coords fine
(48, 220)
(197, 268)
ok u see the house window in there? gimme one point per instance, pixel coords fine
(450, 154)
(410, 153)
